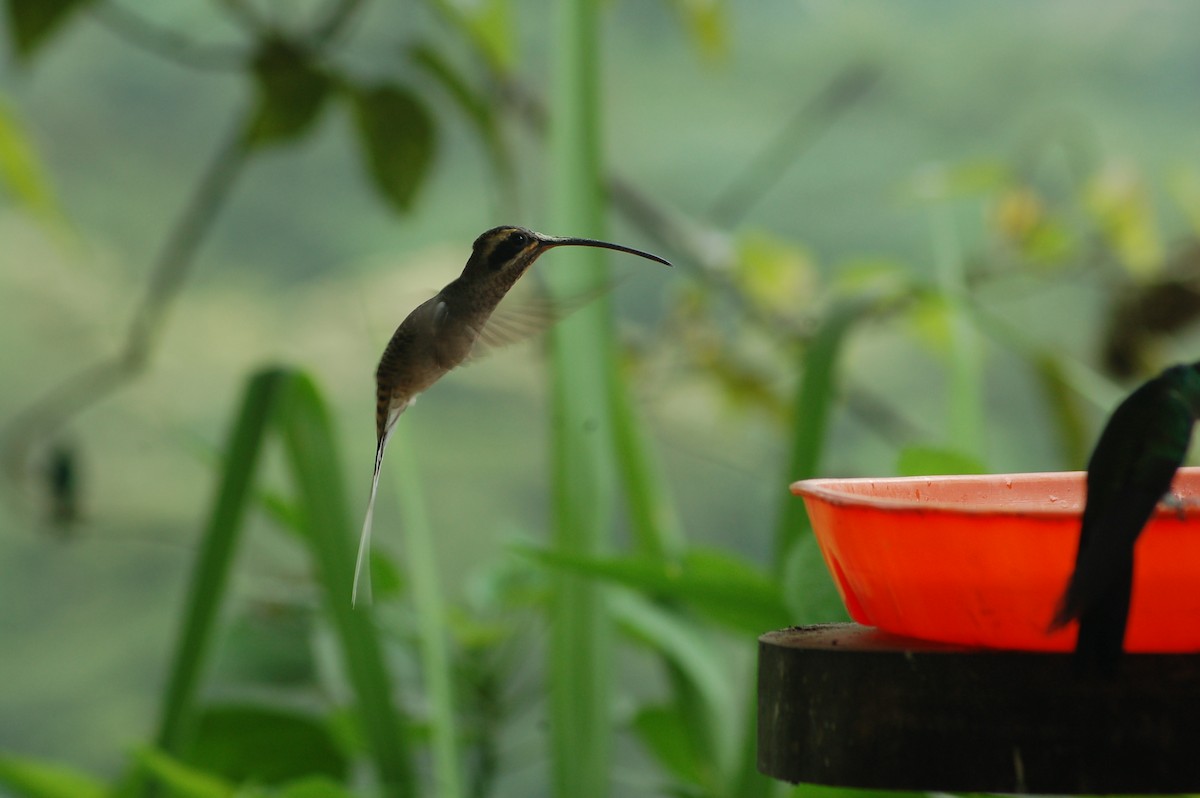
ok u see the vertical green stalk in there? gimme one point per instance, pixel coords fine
(810, 420)
(431, 615)
(657, 531)
(583, 365)
(966, 361)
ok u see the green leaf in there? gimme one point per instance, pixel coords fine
(920, 461)
(811, 412)
(282, 399)
(32, 22)
(218, 547)
(35, 779)
(182, 781)
(727, 590)
(292, 91)
(396, 138)
(265, 745)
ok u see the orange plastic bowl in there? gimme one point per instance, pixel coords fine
(983, 560)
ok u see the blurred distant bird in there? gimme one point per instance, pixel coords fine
(62, 473)
(1131, 468)
(443, 331)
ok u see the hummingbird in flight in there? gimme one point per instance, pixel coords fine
(1130, 470)
(445, 330)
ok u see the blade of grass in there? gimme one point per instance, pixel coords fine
(583, 363)
(430, 609)
(316, 470)
(810, 418)
(217, 549)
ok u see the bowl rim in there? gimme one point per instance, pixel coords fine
(826, 489)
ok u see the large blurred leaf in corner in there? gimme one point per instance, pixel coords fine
(31, 22)
(396, 136)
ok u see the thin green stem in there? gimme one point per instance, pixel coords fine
(583, 364)
(966, 417)
(430, 608)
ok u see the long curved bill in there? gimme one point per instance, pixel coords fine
(548, 242)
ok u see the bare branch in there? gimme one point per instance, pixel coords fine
(42, 417)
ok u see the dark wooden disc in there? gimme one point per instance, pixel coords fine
(847, 705)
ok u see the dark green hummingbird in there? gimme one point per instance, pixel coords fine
(1130, 470)
(450, 327)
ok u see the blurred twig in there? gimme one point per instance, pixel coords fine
(810, 120)
(49, 412)
(45, 415)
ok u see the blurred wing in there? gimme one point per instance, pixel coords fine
(520, 318)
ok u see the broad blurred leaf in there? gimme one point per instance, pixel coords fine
(716, 584)
(292, 91)
(31, 778)
(396, 137)
(265, 745)
(32, 22)
(920, 461)
(182, 781)
(1120, 202)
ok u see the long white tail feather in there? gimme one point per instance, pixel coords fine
(362, 564)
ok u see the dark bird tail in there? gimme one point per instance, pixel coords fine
(1102, 622)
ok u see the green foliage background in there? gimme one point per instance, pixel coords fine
(913, 237)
